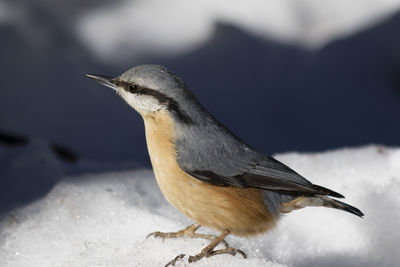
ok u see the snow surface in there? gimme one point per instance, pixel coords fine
(174, 26)
(103, 219)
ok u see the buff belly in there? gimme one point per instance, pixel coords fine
(242, 211)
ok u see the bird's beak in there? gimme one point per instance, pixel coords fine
(104, 80)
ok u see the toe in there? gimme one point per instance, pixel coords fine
(172, 263)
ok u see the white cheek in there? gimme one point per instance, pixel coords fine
(142, 103)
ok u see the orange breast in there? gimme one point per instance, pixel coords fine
(240, 210)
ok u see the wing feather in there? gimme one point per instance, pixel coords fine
(268, 174)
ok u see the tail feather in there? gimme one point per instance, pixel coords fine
(333, 203)
(319, 201)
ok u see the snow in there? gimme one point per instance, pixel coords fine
(131, 28)
(103, 219)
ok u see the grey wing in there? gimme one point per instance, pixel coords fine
(260, 172)
(211, 153)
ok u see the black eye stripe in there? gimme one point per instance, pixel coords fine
(162, 98)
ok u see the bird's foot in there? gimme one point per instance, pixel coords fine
(202, 254)
(209, 251)
(189, 231)
(172, 263)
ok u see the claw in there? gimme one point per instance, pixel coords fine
(172, 263)
(154, 233)
(157, 234)
(231, 251)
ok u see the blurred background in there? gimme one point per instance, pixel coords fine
(284, 75)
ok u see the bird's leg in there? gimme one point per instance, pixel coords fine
(189, 231)
(209, 251)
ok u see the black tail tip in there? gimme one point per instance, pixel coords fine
(357, 212)
(351, 209)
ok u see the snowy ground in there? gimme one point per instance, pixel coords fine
(103, 219)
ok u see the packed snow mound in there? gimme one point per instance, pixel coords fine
(103, 220)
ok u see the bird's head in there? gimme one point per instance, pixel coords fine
(149, 89)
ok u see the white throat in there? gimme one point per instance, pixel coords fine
(144, 104)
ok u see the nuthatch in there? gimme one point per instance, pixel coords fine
(207, 172)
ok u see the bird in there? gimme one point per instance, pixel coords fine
(207, 172)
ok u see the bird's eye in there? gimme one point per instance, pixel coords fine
(132, 88)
